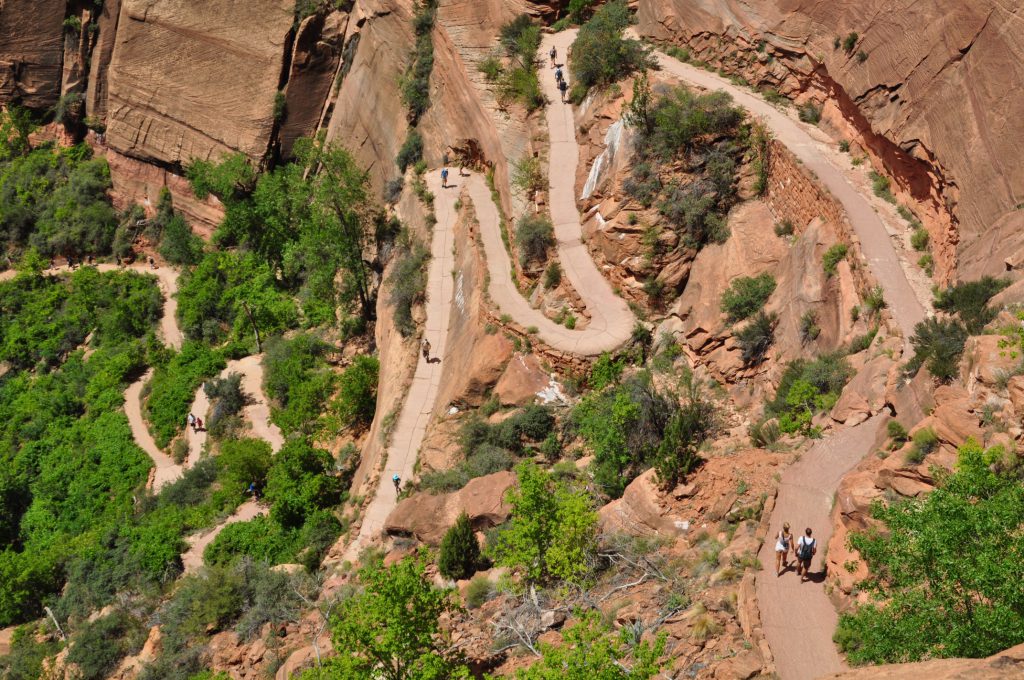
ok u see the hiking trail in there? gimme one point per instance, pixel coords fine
(798, 618)
(418, 406)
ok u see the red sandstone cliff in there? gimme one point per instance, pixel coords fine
(929, 88)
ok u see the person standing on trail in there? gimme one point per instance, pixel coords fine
(192, 422)
(562, 87)
(425, 346)
(806, 548)
(444, 178)
(444, 158)
(558, 74)
(783, 544)
(554, 55)
(397, 481)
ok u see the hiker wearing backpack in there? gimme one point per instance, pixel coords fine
(806, 547)
(783, 546)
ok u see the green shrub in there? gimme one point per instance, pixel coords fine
(927, 263)
(479, 591)
(747, 295)
(408, 283)
(807, 387)
(357, 393)
(862, 56)
(173, 388)
(485, 459)
(832, 257)
(552, 275)
(605, 371)
(100, 645)
(527, 175)
(684, 434)
(491, 68)
(624, 427)
(844, 146)
(809, 328)
(881, 186)
(415, 82)
(297, 378)
(226, 399)
(958, 544)
(534, 236)
(850, 41)
(897, 433)
(919, 239)
(756, 337)
(179, 245)
(810, 112)
(784, 228)
(874, 301)
(969, 301)
(459, 556)
(938, 344)
(601, 55)
(27, 652)
(694, 212)
(242, 462)
(411, 151)
(764, 433)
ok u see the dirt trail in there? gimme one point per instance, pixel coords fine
(798, 618)
(419, 400)
(192, 558)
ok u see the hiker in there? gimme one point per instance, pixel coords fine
(444, 178)
(553, 53)
(199, 425)
(152, 263)
(783, 544)
(192, 422)
(558, 74)
(397, 481)
(425, 345)
(444, 157)
(562, 87)
(252, 490)
(805, 550)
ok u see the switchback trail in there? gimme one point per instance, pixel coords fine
(400, 457)
(611, 321)
(798, 618)
(192, 559)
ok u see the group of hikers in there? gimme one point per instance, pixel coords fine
(563, 86)
(195, 422)
(804, 550)
(445, 158)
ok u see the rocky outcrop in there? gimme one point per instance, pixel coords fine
(427, 518)
(922, 87)
(522, 380)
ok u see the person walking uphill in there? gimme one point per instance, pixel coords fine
(562, 87)
(806, 548)
(425, 346)
(783, 544)
(554, 55)
(444, 178)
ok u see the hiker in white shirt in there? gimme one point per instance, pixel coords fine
(806, 548)
(783, 545)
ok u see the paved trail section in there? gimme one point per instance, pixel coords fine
(907, 310)
(611, 321)
(798, 618)
(418, 406)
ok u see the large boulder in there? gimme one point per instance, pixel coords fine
(987, 359)
(522, 380)
(427, 517)
(640, 511)
(1006, 664)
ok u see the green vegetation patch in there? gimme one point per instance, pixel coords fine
(601, 55)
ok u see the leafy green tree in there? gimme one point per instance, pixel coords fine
(300, 482)
(243, 462)
(551, 535)
(969, 300)
(945, 568)
(357, 393)
(938, 344)
(391, 629)
(459, 556)
(101, 644)
(15, 127)
(590, 649)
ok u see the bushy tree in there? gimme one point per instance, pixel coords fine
(534, 237)
(684, 434)
(601, 55)
(756, 338)
(969, 300)
(357, 393)
(551, 535)
(391, 629)
(301, 482)
(459, 556)
(938, 344)
(243, 462)
(944, 569)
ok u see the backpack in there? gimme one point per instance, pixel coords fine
(805, 551)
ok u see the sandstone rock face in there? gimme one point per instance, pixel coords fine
(188, 81)
(521, 381)
(639, 512)
(31, 48)
(928, 98)
(427, 517)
